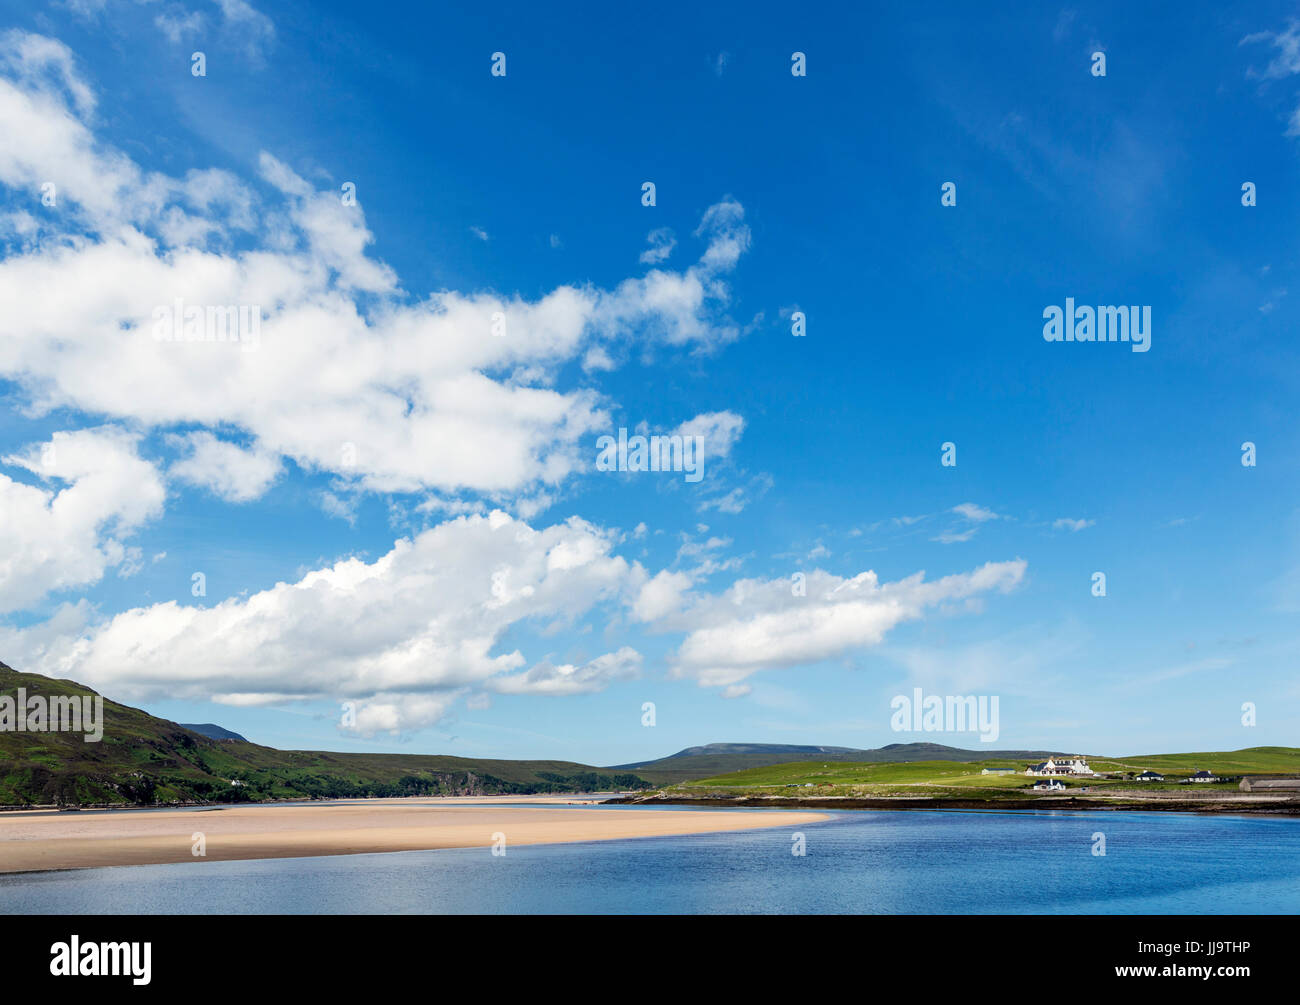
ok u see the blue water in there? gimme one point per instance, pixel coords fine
(945, 862)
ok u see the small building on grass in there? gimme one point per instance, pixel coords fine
(1149, 776)
(1266, 783)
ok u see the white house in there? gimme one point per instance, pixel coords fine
(1204, 776)
(1149, 776)
(1075, 765)
(1048, 785)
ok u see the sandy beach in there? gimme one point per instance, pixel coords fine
(45, 839)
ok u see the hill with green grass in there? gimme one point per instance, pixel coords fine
(966, 778)
(725, 758)
(143, 760)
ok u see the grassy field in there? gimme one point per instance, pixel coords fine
(724, 758)
(964, 778)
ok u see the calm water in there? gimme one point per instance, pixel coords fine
(861, 862)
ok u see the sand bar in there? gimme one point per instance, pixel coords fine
(40, 840)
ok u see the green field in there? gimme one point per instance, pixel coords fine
(964, 778)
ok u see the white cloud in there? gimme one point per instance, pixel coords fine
(1066, 523)
(974, 516)
(423, 393)
(69, 534)
(662, 241)
(661, 595)
(252, 28)
(758, 624)
(548, 679)
(395, 714)
(405, 633)
(721, 432)
(1286, 61)
(232, 472)
(974, 513)
(178, 24)
(45, 67)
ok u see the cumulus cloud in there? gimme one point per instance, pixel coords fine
(67, 534)
(458, 396)
(446, 613)
(396, 714)
(406, 394)
(227, 469)
(758, 624)
(661, 595)
(426, 619)
(1066, 523)
(720, 432)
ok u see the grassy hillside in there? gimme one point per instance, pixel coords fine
(840, 777)
(726, 758)
(144, 760)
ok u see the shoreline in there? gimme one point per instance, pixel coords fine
(568, 799)
(47, 841)
(1224, 807)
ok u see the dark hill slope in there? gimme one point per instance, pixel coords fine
(144, 760)
(212, 731)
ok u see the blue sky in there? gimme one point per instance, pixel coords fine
(371, 581)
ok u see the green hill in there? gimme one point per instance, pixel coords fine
(144, 760)
(725, 758)
(903, 777)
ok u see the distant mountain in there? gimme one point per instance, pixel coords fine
(142, 760)
(211, 730)
(709, 749)
(724, 758)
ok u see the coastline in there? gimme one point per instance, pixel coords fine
(47, 840)
(1211, 805)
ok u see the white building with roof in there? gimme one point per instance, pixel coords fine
(1061, 765)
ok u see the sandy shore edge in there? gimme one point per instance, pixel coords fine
(45, 840)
